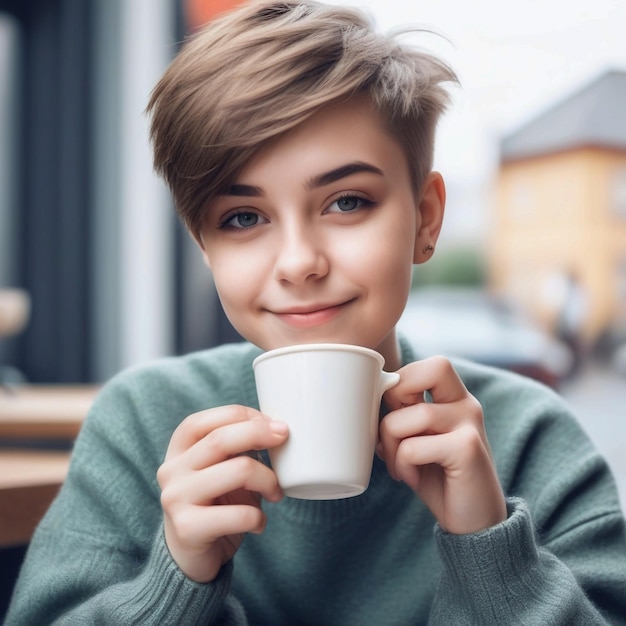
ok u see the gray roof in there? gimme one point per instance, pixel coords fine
(593, 116)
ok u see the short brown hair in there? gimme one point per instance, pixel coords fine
(264, 68)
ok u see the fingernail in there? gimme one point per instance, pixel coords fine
(280, 428)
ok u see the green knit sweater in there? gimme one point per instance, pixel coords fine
(99, 556)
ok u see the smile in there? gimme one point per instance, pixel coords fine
(315, 315)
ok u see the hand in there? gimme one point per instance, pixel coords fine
(440, 448)
(211, 489)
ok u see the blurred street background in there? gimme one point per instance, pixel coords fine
(598, 397)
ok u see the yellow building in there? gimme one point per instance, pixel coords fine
(560, 208)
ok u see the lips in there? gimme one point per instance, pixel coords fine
(310, 315)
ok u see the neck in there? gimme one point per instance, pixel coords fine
(390, 349)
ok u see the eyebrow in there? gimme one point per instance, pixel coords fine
(342, 172)
(243, 190)
(313, 183)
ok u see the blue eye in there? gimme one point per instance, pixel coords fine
(241, 220)
(348, 203)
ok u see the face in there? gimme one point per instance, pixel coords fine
(316, 239)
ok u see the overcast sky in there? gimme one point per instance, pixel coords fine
(513, 58)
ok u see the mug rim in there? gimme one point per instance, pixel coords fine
(318, 347)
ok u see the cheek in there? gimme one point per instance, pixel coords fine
(233, 277)
(387, 258)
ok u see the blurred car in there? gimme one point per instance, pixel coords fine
(618, 360)
(475, 325)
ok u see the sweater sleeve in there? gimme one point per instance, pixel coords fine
(159, 594)
(560, 556)
(503, 576)
(99, 555)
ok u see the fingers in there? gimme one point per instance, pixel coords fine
(435, 375)
(455, 451)
(418, 420)
(235, 439)
(212, 436)
(201, 539)
(205, 487)
(211, 488)
(196, 426)
(431, 418)
(440, 448)
(211, 523)
(460, 410)
(216, 464)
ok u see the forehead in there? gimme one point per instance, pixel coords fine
(348, 132)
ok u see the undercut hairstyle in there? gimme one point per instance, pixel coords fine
(254, 73)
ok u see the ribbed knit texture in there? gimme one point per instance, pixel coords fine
(99, 556)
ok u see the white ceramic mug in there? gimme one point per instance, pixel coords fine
(329, 395)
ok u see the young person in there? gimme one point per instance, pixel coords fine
(298, 146)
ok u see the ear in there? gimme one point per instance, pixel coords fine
(430, 206)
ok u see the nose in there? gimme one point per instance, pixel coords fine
(301, 255)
